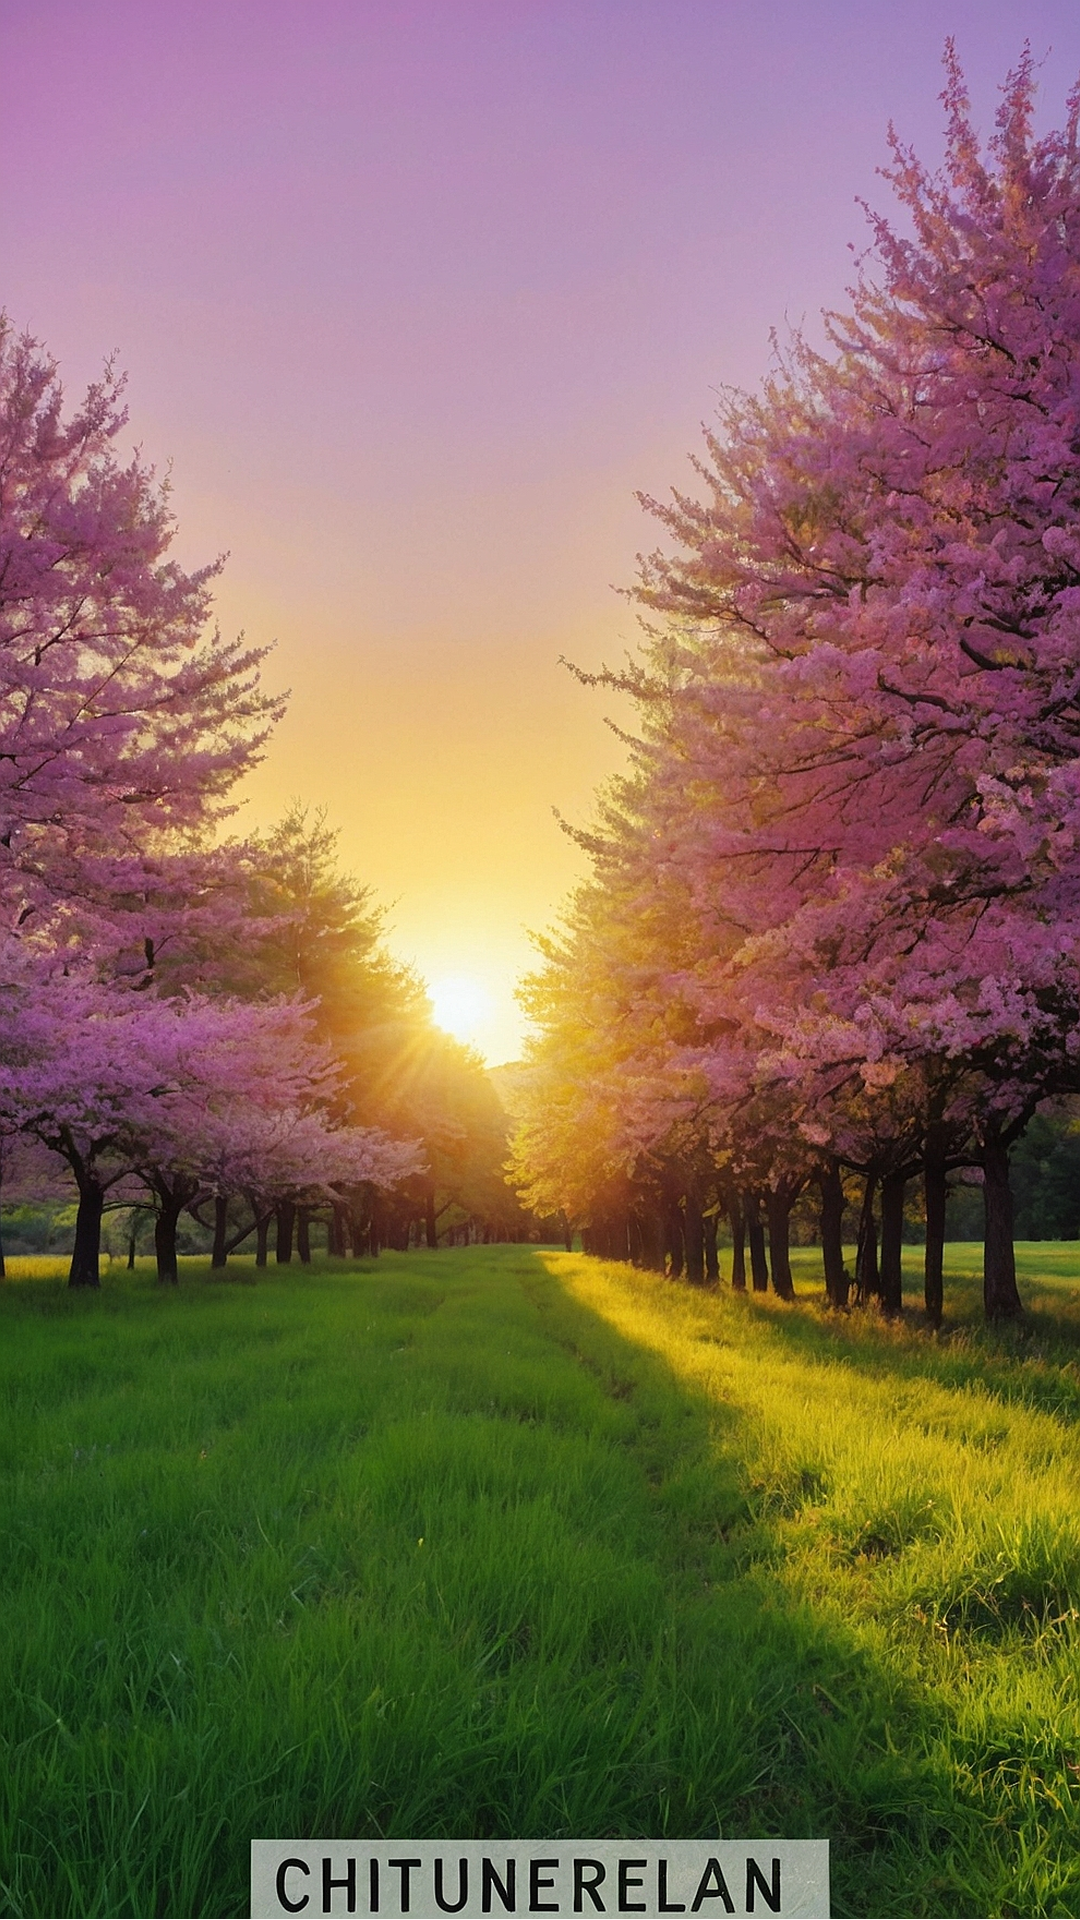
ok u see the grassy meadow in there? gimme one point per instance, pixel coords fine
(511, 1542)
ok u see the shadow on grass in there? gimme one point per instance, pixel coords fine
(840, 1745)
(430, 1549)
(1034, 1362)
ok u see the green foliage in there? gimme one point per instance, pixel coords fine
(1045, 1171)
(321, 936)
(504, 1542)
(37, 1227)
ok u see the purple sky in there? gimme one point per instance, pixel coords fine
(414, 297)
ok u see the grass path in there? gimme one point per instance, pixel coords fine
(507, 1541)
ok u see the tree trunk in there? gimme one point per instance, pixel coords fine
(131, 1251)
(694, 1238)
(778, 1203)
(737, 1217)
(867, 1279)
(86, 1256)
(892, 1235)
(165, 1224)
(431, 1224)
(285, 1213)
(712, 1258)
(303, 1235)
(832, 1236)
(1001, 1300)
(936, 1191)
(651, 1231)
(262, 1237)
(755, 1233)
(673, 1234)
(220, 1253)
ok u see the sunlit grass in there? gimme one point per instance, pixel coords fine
(923, 1494)
(508, 1542)
(39, 1266)
(54, 1266)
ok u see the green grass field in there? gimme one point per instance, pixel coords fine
(511, 1542)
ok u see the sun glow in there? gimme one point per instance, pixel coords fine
(461, 1006)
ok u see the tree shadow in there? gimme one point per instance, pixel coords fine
(837, 1741)
(1034, 1362)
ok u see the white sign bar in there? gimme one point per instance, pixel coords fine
(490, 1879)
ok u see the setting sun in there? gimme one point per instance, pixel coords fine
(460, 1004)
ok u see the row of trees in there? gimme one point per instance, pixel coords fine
(831, 937)
(186, 1021)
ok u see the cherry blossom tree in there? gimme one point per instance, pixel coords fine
(249, 1108)
(857, 779)
(184, 1097)
(125, 720)
(71, 1079)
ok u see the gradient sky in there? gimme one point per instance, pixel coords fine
(413, 297)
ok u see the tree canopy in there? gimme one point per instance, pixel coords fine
(184, 1021)
(838, 896)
